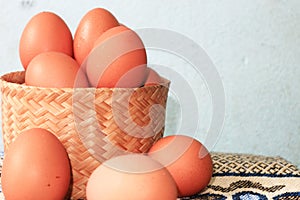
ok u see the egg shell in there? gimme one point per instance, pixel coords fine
(153, 78)
(91, 26)
(188, 161)
(132, 176)
(118, 59)
(56, 70)
(44, 32)
(35, 167)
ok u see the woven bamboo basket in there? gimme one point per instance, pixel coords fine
(92, 124)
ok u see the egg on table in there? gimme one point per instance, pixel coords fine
(188, 161)
(132, 176)
(36, 166)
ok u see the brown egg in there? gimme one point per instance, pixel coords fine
(35, 167)
(118, 60)
(187, 160)
(54, 69)
(133, 176)
(44, 32)
(92, 25)
(153, 78)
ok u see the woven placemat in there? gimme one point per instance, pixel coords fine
(248, 177)
(251, 177)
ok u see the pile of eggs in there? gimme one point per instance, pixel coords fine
(103, 53)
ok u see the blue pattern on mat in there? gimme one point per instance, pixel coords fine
(249, 196)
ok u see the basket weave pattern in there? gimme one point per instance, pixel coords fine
(84, 120)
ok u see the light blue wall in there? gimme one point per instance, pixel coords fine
(255, 46)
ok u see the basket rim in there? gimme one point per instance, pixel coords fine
(4, 77)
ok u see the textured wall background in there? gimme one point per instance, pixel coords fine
(253, 44)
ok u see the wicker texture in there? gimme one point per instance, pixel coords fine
(92, 124)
